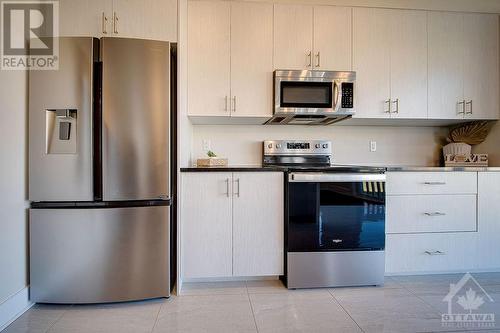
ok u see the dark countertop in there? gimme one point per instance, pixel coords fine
(339, 168)
(257, 168)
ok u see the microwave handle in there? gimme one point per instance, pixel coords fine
(337, 90)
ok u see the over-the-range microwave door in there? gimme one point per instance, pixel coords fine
(136, 119)
(60, 125)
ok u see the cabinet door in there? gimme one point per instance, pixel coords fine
(206, 231)
(446, 72)
(481, 66)
(409, 64)
(258, 221)
(293, 34)
(91, 18)
(152, 19)
(488, 212)
(208, 58)
(371, 61)
(332, 38)
(251, 59)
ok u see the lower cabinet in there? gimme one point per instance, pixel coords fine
(442, 222)
(232, 224)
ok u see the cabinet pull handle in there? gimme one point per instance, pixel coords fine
(396, 102)
(434, 183)
(388, 104)
(468, 103)
(462, 103)
(435, 253)
(237, 181)
(309, 56)
(318, 59)
(435, 214)
(104, 23)
(225, 103)
(227, 187)
(234, 103)
(115, 23)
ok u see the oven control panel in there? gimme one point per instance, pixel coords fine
(297, 147)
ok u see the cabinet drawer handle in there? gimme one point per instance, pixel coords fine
(388, 103)
(234, 103)
(435, 253)
(237, 181)
(318, 58)
(227, 187)
(309, 56)
(434, 183)
(396, 103)
(435, 214)
(115, 23)
(470, 110)
(104, 23)
(462, 103)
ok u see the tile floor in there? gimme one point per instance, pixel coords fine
(403, 304)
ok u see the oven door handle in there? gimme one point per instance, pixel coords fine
(336, 177)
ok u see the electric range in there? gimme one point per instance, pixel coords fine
(334, 216)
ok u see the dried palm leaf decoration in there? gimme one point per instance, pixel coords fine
(472, 133)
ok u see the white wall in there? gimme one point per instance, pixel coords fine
(395, 145)
(13, 183)
(491, 146)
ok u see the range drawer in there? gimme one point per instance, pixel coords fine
(431, 213)
(427, 253)
(402, 183)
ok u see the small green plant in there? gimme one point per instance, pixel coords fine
(211, 154)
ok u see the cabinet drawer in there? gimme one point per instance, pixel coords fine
(426, 253)
(399, 183)
(431, 213)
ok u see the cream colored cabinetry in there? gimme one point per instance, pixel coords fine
(152, 19)
(390, 60)
(463, 66)
(312, 37)
(229, 60)
(232, 224)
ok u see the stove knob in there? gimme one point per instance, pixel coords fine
(278, 145)
(325, 145)
(317, 146)
(270, 146)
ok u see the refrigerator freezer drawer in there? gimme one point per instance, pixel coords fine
(99, 255)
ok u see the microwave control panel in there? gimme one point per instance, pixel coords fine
(347, 95)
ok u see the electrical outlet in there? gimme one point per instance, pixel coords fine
(373, 146)
(206, 145)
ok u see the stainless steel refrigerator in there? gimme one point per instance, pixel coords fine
(99, 169)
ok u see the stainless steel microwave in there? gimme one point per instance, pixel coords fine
(305, 97)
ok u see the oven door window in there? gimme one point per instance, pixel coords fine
(302, 94)
(336, 216)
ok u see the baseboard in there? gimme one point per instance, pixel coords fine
(232, 279)
(13, 307)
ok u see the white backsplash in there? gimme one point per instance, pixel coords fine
(242, 144)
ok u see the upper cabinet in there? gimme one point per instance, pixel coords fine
(153, 19)
(307, 37)
(390, 60)
(230, 60)
(463, 66)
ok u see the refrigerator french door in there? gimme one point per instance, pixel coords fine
(99, 167)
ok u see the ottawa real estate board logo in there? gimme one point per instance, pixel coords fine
(28, 29)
